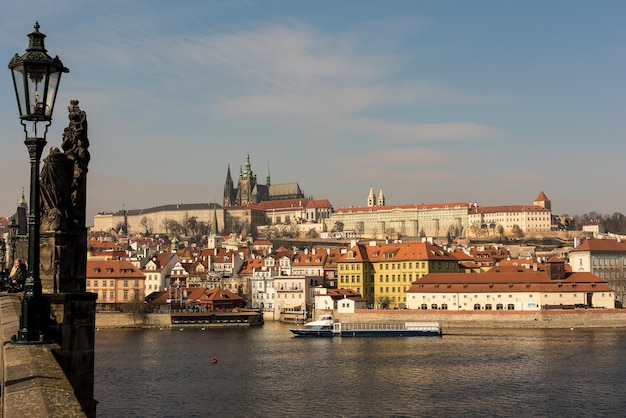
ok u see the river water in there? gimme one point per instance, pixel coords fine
(266, 372)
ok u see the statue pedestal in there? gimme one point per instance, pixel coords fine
(63, 262)
(74, 324)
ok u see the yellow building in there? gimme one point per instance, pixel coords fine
(383, 273)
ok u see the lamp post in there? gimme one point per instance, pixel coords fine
(3, 255)
(36, 78)
(13, 230)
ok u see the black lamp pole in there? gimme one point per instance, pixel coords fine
(36, 78)
(3, 255)
(13, 230)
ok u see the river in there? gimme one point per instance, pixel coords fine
(266, 372)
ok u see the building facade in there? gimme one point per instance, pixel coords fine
(531, 220)
(519, 290)
(383, 273)
(604, 258)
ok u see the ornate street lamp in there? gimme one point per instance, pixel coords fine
(3, 256)
(36, 78)
(13, 230)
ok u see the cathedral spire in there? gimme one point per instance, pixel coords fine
(381, 198)
(267, 180)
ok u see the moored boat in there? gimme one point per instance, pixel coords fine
(324, 326)
(321, 327)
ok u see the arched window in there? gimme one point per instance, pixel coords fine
(510, 307)
(499, 307)
(433, 306)
(488, 307)
(424, 306)
(477, 306)
(444, 306)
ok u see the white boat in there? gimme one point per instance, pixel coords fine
(325, 326)
(321, 327)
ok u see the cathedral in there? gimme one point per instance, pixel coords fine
(248, 191)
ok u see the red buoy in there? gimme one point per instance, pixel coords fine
(214, 360)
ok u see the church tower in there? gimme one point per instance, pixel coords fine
(247, 185)
(543, 201)
(371, 198)
(381, 198)
(229, 190)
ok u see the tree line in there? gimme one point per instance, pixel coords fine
(615, 223)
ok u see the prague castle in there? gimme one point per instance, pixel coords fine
(249, 191)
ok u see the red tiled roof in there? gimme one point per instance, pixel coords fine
(397, 252)
(114, 269)
(600, 245)
(528, 281)
(321, 203)
(542, 197)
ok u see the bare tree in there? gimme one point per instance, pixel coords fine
(383, 302)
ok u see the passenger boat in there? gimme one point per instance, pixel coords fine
(321, 327)
(324, 326)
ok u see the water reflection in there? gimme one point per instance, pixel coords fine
(268, 372)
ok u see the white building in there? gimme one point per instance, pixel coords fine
(511, 290)
(604, 258)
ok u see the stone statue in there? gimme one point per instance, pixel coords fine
(63, 198)
(75, 145)
(64, 177)
(56, 177)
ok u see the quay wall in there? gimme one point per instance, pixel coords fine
(129, 320)
(575, 318)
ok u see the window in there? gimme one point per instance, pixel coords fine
(424, 306)
(95, 283)
(125, 283)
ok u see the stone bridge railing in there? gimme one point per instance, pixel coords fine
(33, 382)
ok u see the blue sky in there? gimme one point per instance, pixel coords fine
(482, 101)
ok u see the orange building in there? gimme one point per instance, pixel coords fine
(116, 282)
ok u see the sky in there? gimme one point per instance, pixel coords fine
(433, 101)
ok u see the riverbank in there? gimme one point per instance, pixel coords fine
(553, 318)
(572, 318)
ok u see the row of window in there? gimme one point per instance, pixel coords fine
(96, 283)
(111, 295)
(393, 289)
(477, 306)
(608, 261)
